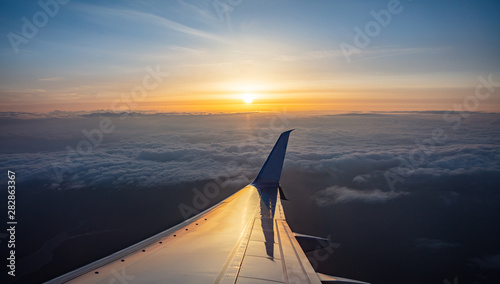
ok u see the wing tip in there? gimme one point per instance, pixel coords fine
(271, 170)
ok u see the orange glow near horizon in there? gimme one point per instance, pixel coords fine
(203, 68)
(241, 98)
(262, 103)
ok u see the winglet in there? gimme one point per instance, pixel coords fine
(271, 171)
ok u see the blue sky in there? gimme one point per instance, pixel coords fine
(90, 52)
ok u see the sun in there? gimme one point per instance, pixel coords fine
(248, 97)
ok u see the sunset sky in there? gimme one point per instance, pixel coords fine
(93, 55)
(376, 162)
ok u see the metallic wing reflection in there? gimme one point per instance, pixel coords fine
(243, 239)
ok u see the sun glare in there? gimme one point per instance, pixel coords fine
(248, 98)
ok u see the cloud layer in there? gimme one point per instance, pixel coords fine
(444, 193)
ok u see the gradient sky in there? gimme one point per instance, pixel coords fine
(284, 52)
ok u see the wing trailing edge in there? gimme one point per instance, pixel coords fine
(337, 280)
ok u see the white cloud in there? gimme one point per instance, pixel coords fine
(360, 179)
(433, 244)
(336, 194)
(489, 262)
(345, 157)
(51, 79)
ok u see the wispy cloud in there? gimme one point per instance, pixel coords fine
(337, 194)
(426, 243)
(363, 55)
(51, 79)
(202, 10)
(381, 52)
(144, 18)
(310, 55)
(187, 50)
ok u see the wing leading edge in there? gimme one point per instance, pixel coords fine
(243, 239)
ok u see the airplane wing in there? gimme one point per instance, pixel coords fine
(243, 239)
